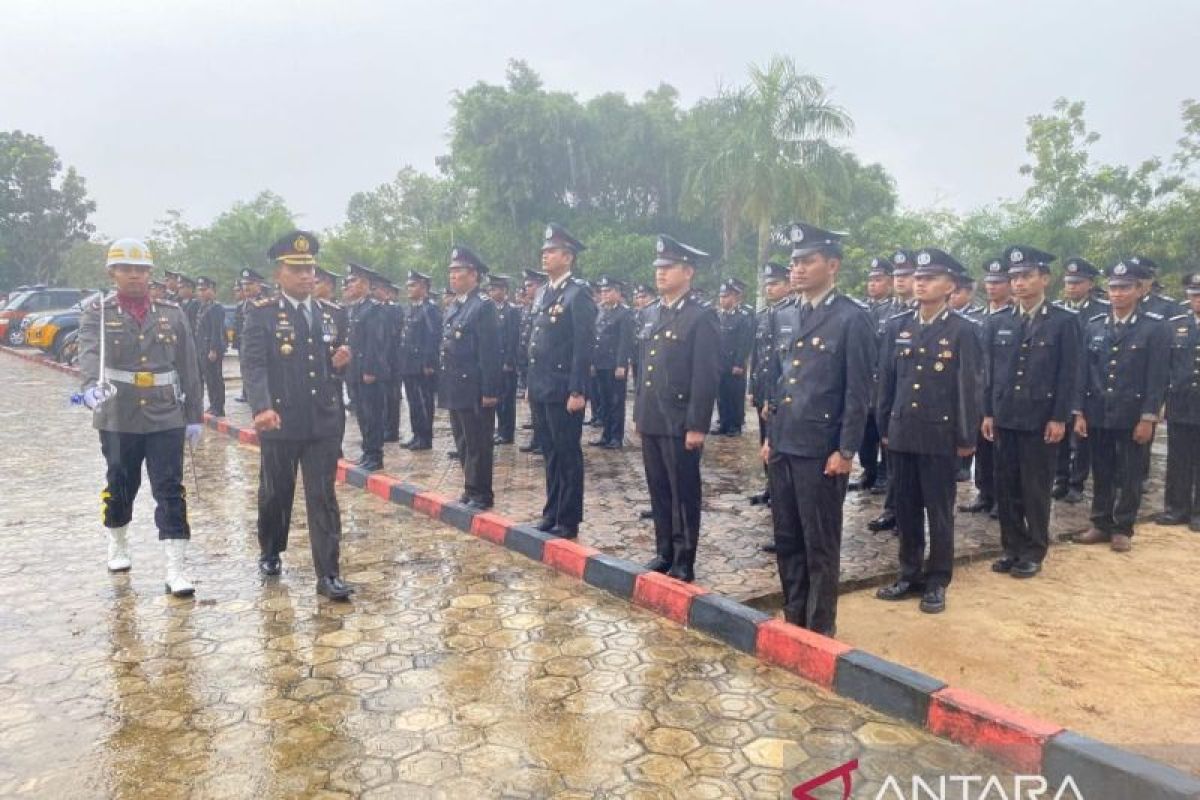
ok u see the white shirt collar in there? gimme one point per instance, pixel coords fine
(558, 284)
(818, 299)
(305, 303)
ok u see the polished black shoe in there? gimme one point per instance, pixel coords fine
(1073, 496)
(1171, 518)
(769, 547)
(658, 564)
(528, 448)
(1025, 569)
(647, 514)
(934, 600)
(270, 565)
(884, 522)
(900, 590)
(760, 499)
(565, 531)
(863, 484)
(371, 465)
(464, 498)
(528, 426)
(614, 446)
(240, 399)
(1003, 564)
(421, 445)
(334, 588)
(454, 455)
(501, 440)
(598, 443)
(1059, 491)
(595, 423)
(391, 439)
(977, 506)
(479, 505)
(545, 525)
(717, 432)
(734, 432)
(682, 573)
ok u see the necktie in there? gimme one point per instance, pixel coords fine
(805, 309)
(305, 316)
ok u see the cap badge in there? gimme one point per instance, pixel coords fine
(923, 259)
(1120, 269)
(1016, 256)
(1072, 267)
(661, 246)
(900, 258)
(797, 233)
(301, 244)
(549, 234)
(454, 254)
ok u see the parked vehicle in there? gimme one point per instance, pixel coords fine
(30, 301)
(47, 330)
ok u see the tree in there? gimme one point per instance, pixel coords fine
(42, 215)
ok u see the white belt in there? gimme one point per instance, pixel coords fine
(143, 380)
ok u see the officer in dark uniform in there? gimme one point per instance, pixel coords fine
(1121, 391)
(419, 359)
(185, 297)
(737, 340)
(171, 282)
(643, 297)
(370, 340)
(210, 345)
(325, 289)
(825, 345)
(882, 307)
(157, 290)
(777, 290)
(291, 356)
(387, 295)
(470, 378)
(1152, 298)
(961, 301)
(1031, 357)
(1182, 497)
(1081, 296)
(534, 281)
(928, 416)
(251, 283)
(680, 368)
(615, 337)
(999, 296)
(508, 318)
(560, 366)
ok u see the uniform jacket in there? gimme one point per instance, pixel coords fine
(561, 342)
(470, 354)
(527, 315)
(1124, 372)
(210, 331)
(508, 320)
(422, 338)
(160, 344)
(929, 384)
(371, 341)
(737, 337)
(822, 385)
(1165, 307)
(1030, 368)
(285, 370)
(1183, 396)
(615, 337)
(396, 338)
(679, 368)
(762, 358)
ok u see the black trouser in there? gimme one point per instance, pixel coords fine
(506, 407)
(371, 409)
(317, 459)
(731, 402)
(476, 448)
(559, 432)
(214, 383)
(873, 462)
(1024, 468)
(1183, 469)
(1118, 464)
(611, 402)
(391, 427)
(1074, 460)
(673, 478)
(763, 428)
(806, 509)
(889, 499)
(535, 441)
(925, 487)
(419, 391)
(162, 452)
(985, 469)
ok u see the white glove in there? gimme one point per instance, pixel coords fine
(95, 395)
(193, 433)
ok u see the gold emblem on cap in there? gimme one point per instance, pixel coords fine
(300, 245)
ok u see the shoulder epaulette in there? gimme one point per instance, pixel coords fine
(330, 304)
(1098, 316)
(167, 303)
(906, 312)
(1063, 308)
(263, 302)
(1153, 315)
(1178, 316)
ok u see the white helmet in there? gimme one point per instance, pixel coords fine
(129, 251)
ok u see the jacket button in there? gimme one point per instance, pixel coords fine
(791, 380)
(796, 362)
(647, 383)
(655, 352)
(312, 374)
(141, 401)
(919, 368)
(649, 368)
(917, 386)
(914, 405)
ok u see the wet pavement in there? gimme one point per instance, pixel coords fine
(732, 530)
(461, 670)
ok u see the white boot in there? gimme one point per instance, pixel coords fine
(118, 549)
(177, 582)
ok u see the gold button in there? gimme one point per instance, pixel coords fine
(787, 399)
(921, 350)
(647, 383)
(917, 386)
(310, 356)
(312, 374)
(141, 337)
(656, 337)
(791, 380)
(142, 401)
(144, 359)
(314, 391)
(796, 362)
(1017, 387)
(914, 405)
(653, 352)
(649, 368)
(945, 419)
(919, 368)
(1019, 373)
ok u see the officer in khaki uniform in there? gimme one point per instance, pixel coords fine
(1182, 497)
(146, 399)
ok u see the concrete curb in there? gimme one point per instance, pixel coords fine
(1020, 741)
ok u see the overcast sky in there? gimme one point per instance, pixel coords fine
(195, 105)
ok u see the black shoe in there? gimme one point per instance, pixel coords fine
(371, 464)
(962, 476)
(390, 439)
(658, 564)
(900, 590)
(1171, 518)
(463, 499)
(979, 505)
(647, 514)
(1073, 496)
(934, 600)
(422, 445)
(1004, 564)
(454, 455)
(565, 531)
(769, 547)
(545, 525)
(734, 432)
(409, 444)
(595, 423)
(884, 522)
(479, 505)
(528, 448)
(994, 513)
(240, 399)
(863, 484)
(1059, 491)
(501, 440)
(598, 443)
(614, 446)
(717, 432)
(528, 426)
(334, 588)
(269, 565)
(760, 499)
(681, 572)
(880, 487)
(1025, 569)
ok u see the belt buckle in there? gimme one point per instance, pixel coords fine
(143, 380)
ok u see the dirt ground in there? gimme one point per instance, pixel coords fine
(1102, 643)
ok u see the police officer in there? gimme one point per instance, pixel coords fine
(1152, 298)
(291, 356)
(737, 340)
(615, 337)
(961, 301)
(157, 291)
(999, 300)
(370, 342)
(1182, 497)
(1031, 356)
(210, 344)
(560, 365)
(643, 296)
(1081, 296)
(419, 359)
(171, 282)
(470, 378)
(882, 307)
(185, 297)
(777, 291)
(1121, 390)
(387, 295)
(825, 344)
(534, 280)
(252, 284)
(928, 416)
(508, 318)
(146, 400)
(678, 345)
(324, 289)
